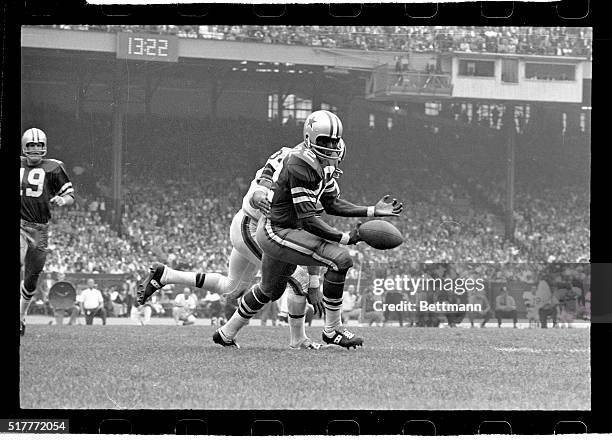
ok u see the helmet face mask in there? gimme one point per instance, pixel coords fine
(34, 145)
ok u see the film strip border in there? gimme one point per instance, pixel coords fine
(564, 12)
(277, 423)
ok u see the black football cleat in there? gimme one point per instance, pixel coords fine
(343, 338)
(151, 283)
(21, 328)
(218, 339)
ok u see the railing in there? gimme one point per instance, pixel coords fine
(385, 81)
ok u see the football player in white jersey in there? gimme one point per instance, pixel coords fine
(245, 261)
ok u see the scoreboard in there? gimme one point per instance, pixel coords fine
(147, 47)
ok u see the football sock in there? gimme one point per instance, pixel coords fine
(250, 303)
(296, 305)
(171, 276)
(147, 314)
(333, 285)
(24, 301)
(213, 282)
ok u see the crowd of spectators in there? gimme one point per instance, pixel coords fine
(179, 211)
(557, 41)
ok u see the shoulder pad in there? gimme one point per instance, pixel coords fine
(52, 164)
(307, 157)
(302, 171)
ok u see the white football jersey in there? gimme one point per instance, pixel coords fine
(269, 172)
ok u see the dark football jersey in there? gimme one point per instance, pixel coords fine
(40, 183)
(298, 188)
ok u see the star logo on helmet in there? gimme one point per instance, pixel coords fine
(311, 121)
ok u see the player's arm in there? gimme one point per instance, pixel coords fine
(64, 192)
(334, 205)
(259, 196)
(301, 180)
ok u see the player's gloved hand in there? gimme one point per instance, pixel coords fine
(260, 201)
(354, 235)
(57, 200)
(315, 297)
(387, 207)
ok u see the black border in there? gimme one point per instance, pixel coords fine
(15, 13)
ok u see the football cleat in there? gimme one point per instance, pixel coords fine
(218, 339)
(343, 338)
(306, 344)
(151, 284)
(21, 328)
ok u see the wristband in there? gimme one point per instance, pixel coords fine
(345, 238)
(371, 210)
(314, 282)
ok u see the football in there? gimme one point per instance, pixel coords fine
(380, 234)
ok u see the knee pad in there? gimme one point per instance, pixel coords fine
(344, 261)
(275, 289)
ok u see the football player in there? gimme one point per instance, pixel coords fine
(292, 233)
(43, 183)
(245, 261)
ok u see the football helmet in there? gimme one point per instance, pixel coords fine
(326, 128)
(34, 144)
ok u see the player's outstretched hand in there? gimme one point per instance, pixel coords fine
(260, 201)
(387, 207)
(315, 297)
(57, 200)
(354, 237)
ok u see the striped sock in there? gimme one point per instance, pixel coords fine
(333, 285)
(172, 276)
(24, 301)
(296, 306)
(250, 303)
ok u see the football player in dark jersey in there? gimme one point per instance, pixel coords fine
(43, 182)
(293, 234)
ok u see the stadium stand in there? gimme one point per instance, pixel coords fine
(449, 218)
(574, 41)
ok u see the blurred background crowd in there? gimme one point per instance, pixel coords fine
(559, 41)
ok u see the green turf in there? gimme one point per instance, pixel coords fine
(132, 367)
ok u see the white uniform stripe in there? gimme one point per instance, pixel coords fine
(300, 189)
(303, 199)
(246, 308)
(68, 191)
(67, 185)
(298, 248)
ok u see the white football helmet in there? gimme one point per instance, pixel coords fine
(326, 125)
(34, 144)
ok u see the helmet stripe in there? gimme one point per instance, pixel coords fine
(331, 124)
(35, 135)
(337, 121)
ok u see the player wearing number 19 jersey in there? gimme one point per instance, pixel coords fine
(43, 182)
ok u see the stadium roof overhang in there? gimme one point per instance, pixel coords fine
(526, 57)
(201, 49)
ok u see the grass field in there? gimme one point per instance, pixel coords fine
(134, 367)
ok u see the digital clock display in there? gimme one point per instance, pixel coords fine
(147, 47)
